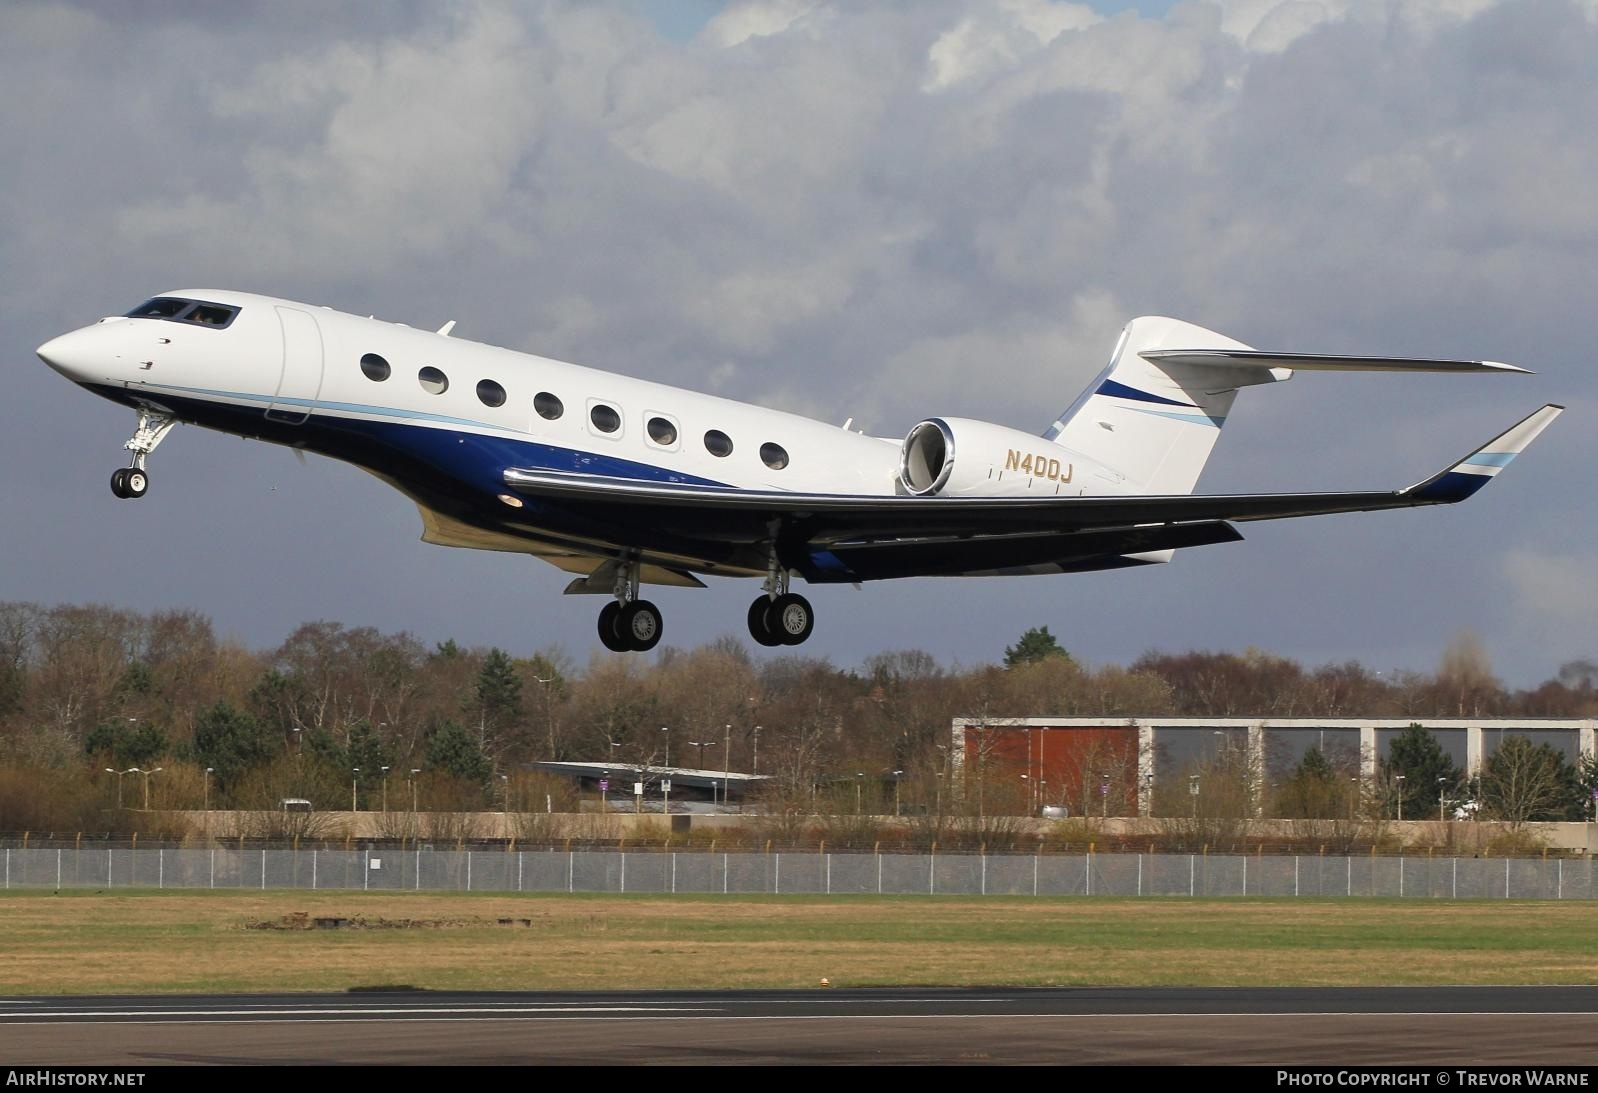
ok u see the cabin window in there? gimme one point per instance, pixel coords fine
(375, 368)
(605, 418)
(718, 443)
(490, 393)
(432, 380)
(548, 406)
(210, 315)
(662, 431)
(774, 456)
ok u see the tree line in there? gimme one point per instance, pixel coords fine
(338, 713)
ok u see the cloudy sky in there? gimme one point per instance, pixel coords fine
(878, 211)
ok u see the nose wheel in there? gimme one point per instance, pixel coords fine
(129, 482)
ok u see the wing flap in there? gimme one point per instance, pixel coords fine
(1317, 362)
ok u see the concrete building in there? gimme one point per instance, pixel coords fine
(1110, 766)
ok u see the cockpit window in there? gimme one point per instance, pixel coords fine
(162, 307)
(180, 310)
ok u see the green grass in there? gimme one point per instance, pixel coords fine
(83, 941)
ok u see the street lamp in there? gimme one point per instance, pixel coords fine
(146, 773)
(859, 780)
(1353, 796)
(208, 772)
(119, 774)
(1442, 781)
(1400, 780)
(1193, 792)
(385, 788)
(756, 756)
(504, 782)
(896, 776)
(355, 781)
(667, 730)
(412, 780)
(1104, 795)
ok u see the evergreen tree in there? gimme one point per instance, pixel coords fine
(120, 743)
(455, 751)
(499, 691)
(1428, 772)
(1314, 791)
(230, 741)
(1035, 645)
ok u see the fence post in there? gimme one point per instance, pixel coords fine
(1506, 878)
(519, 856)
(1559, 890)
(313, 870)
(213, 869)
(1295, 876)
(571, 868)
(469, 868)
(1035, 858)
(674, 872)
(418, 869)
(1456, 878)
(1245, 874)
(777, 874)
(1192, 874)
(1349, 861)
(1087, 871)
(1400, 876)
(829, 874)
(624, 872)
(263, 869)
(984, 861)
(366, 868)
(58, 869)
(160, 868)
(1140, 874)
(723, 872)
(932, 873)
(108, 864)
(879, 872)
(8, 867)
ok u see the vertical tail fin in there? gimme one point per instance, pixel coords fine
(1154, 423)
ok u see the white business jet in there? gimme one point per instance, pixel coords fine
(625, 482)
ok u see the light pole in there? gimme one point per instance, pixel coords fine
(726, 763)
(208, 772)
(385, 789)
(1400, 780)
(119, 774)
(1441, 782)
(1193, 792)
(504, 800)
(146, 773)
(1026, 790)
(1104, 795)
(355, 781)
(896, 776)
(665, 729)
(1353, 796)
(412, 780)
(859, 780)
(756, 757)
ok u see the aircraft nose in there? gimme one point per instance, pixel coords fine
(70, 354)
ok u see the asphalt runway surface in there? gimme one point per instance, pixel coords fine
(1418, 1026)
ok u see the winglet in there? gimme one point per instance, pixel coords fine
(446, 328)
(1479, 467)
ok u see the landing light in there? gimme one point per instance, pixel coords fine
(513, 502)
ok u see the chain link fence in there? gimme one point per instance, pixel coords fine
(814, 873)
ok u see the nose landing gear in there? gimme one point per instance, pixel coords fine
(132, 481)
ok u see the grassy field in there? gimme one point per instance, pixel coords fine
(93, 942)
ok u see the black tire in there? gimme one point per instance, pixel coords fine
(791, 618)
(119, 482)
(609, 636)
(758, 629)
(135, 482)
(639, 624)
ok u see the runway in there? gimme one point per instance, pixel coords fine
(1417, 1026)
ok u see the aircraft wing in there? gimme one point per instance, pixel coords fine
(821, 520)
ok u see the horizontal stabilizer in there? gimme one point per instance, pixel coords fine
(1316, 362)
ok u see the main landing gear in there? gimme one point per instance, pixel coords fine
(780, 617)
(628, 624)
(131, 481)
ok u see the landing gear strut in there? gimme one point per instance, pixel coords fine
(780, 617)
(628, 624)
(133, 480)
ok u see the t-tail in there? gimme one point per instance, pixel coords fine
(1153, 415)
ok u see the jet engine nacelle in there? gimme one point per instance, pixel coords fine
(948, 456)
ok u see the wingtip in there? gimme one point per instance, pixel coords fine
(1500, 366)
